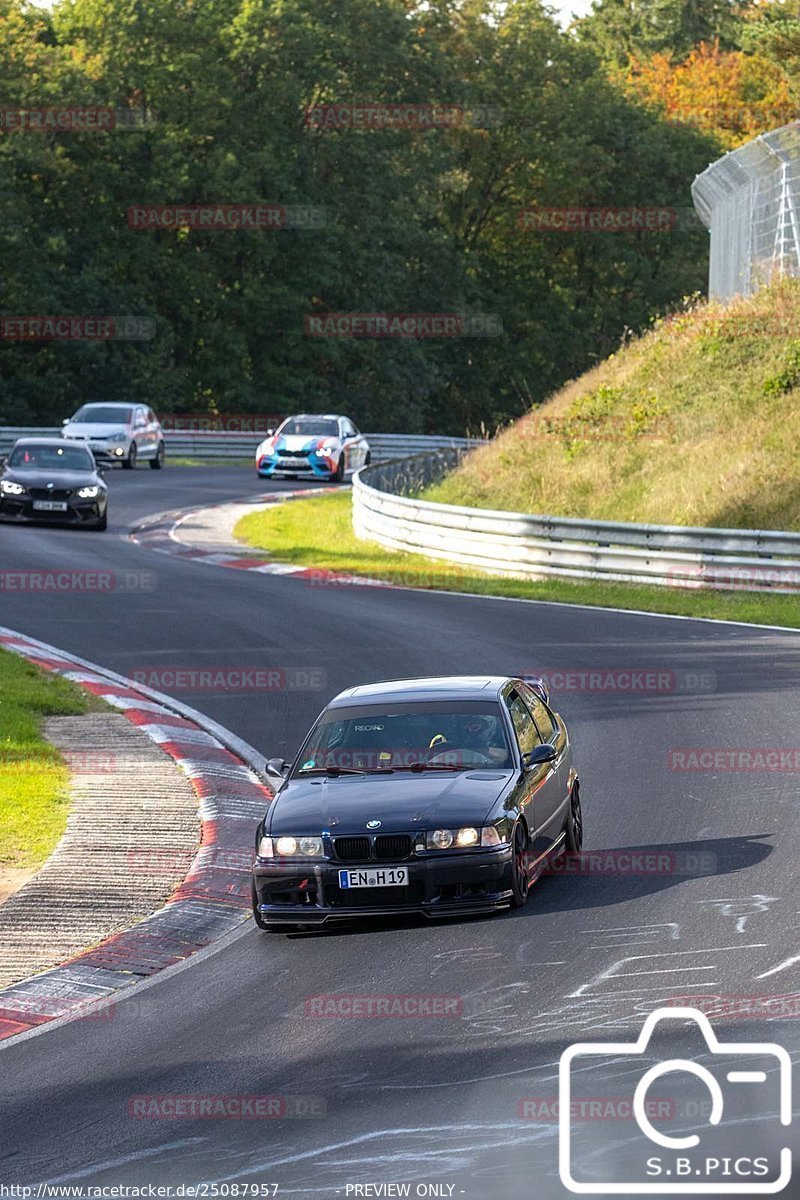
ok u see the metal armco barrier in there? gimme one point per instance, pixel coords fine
(535, 547)
(214, 445)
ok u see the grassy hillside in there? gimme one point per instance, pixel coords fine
(695, 423)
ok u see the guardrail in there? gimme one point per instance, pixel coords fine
(210, 446)
(526, 546)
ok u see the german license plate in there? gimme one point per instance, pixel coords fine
(50, 505)
(374, 877)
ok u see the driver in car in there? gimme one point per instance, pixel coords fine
(474, 732)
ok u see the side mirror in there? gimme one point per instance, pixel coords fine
(101, 468)
(276, 768)
(542, 754)
(65, 421)
(270, 433)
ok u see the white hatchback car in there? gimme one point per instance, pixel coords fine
(121, 433)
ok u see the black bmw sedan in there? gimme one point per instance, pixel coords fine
(49, 479)
(437, 796)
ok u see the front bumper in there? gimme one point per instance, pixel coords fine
(78, 512)
(105, 452)
(272, 465)
(439, 885)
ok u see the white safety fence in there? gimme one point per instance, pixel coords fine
(536, 547)
(750, 201)
(210, 446)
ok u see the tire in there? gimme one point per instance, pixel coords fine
(520, 884)
(102, 523)
(130, 462)
(158, 462)
(574, 823)
(338, 476)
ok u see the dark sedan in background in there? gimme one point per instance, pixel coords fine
(47, 479)
(437, 796)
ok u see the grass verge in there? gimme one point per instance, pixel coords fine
(695, 423)
(33, 776)
(318, 533)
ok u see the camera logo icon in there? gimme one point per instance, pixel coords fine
(656, 1162)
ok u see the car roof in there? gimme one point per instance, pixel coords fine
(437, 687)
(316, 417)
(47, 441)
(113, 404)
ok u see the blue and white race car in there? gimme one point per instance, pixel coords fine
(323, 447)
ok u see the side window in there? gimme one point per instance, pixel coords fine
(151, 417)
(140, 418)
(524, 727)
(544, 722)
(348, 429)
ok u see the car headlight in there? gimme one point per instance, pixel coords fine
(265, 448)
(10, 488)
(463, 839)
(88, 493)
(117, 437)
(290, 847)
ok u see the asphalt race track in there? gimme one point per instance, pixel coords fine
(432, 1100)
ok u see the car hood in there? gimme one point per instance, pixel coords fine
(59, 479)
(94, 429)
(304, 442)
(400, 802)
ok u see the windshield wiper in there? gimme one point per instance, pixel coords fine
(423, 766)
(333, 771)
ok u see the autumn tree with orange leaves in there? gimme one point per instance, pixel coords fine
(730, 94)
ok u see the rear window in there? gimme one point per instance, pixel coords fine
(105, 414)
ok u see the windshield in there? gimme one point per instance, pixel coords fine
(59, 458)
(105, 414)
(465, 734)
(309, 427)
